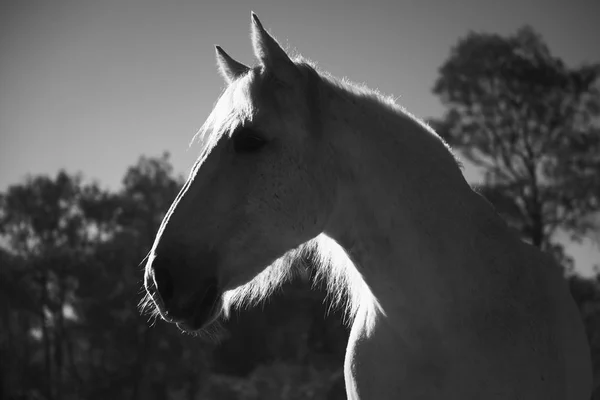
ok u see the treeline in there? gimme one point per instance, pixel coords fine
(71, 252)
(71, 282)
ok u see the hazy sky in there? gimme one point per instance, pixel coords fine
(91, 85)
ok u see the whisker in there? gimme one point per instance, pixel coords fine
(145, 258)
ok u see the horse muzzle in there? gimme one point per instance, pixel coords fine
(191, 304)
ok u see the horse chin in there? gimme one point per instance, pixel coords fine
(202, 319)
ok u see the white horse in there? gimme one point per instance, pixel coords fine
(445, 302)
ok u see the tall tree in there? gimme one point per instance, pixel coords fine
(531, 124)
(18, 313)
(42, 225)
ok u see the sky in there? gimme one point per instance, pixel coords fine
(90, 86)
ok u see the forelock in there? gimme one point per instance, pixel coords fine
(235, 107)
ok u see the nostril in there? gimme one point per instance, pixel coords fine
(164, 283)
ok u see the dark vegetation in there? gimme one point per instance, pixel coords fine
(70, 273)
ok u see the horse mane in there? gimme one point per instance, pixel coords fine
(232, 109)
(345, 285)
(372, 98)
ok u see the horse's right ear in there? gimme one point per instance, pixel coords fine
(228, 67)
(270, 53)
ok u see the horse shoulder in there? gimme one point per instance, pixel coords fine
(382, 363)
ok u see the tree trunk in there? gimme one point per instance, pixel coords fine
(537, 230)
(47, 340)
(7, 352)
(59, 339)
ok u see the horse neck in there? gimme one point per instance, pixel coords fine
(403, 207)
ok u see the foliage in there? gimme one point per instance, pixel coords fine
(531, 124)
(70, 281)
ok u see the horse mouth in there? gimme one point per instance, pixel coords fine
(202, 313)
(192, 316)
(197, 324)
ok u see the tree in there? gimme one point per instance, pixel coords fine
(18, 313)
(71, 274)
(531, 124)
(70, 283)
(43, 227)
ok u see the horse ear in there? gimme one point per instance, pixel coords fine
(228, 67)
(270, 53)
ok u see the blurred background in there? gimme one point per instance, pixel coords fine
(98, 104)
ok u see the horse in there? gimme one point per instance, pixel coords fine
(444, 300)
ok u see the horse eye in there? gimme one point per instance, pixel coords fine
(247, 143)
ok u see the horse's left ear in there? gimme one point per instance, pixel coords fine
(270, 53)
(228, 67)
